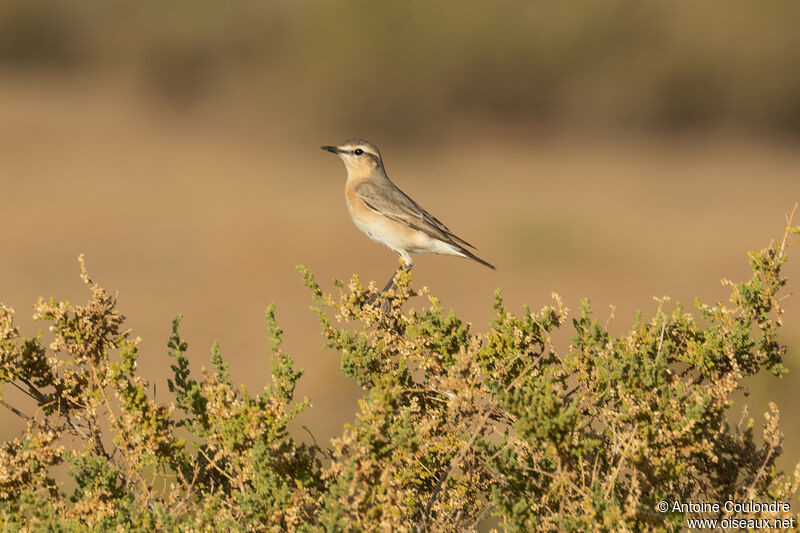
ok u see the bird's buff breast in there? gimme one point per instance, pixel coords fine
(386, 231)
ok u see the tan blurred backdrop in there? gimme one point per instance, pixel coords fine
(607, 149)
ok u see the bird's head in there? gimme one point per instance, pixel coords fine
(360, 157)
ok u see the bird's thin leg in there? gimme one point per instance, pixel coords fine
(389, 285)
(387, 303)
(407, 267)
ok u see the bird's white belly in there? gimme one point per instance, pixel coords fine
(401, 239)
(380, 230)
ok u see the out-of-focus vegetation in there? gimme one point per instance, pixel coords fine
(668, 65)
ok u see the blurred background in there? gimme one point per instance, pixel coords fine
(605, 149)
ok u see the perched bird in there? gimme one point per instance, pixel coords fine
(386, 214)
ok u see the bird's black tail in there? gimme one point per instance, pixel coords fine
(474, 257)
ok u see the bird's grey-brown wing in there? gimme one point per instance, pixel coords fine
(388, 200)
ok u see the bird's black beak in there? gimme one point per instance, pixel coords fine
(331, 149)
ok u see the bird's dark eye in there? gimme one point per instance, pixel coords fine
(358, 151)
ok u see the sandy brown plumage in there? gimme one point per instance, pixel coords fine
(389, 216)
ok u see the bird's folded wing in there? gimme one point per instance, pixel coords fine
(391, 202)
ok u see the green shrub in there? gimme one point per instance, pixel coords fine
(455, 426)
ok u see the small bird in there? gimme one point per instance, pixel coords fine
(386, 214)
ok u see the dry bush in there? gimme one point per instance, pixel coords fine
(455, 426)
